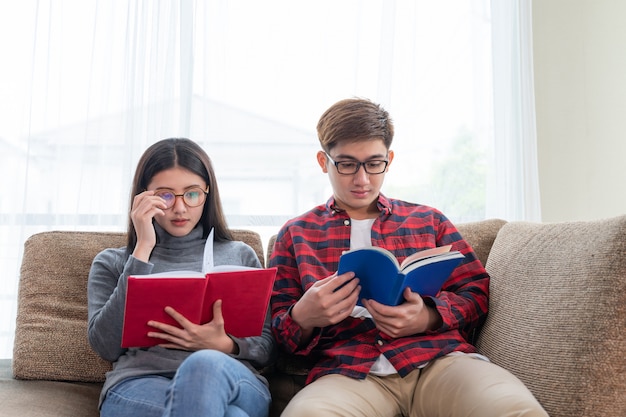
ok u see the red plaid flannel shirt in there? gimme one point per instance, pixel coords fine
(308, 249)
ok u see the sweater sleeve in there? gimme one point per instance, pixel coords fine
(106, 294)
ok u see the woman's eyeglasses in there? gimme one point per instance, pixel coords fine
(193, 197)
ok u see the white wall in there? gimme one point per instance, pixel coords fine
(580, 91)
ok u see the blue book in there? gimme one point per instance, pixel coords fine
(383, 278)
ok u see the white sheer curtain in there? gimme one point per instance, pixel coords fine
(514, 183)
(87, 85)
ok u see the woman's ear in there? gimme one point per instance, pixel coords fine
(322, 160)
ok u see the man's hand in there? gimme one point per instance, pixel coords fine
(408, 318)
(325, 303)
(192, 336)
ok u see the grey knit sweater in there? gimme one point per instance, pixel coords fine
(106, 292)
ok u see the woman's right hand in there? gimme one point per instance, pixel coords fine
(192, 337)
(145, 206)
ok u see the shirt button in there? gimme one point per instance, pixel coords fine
(346, 222)
(380, 343)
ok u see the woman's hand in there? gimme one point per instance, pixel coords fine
(145, 206)
(408, 318)
(192, 336)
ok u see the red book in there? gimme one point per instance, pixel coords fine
(244, 291)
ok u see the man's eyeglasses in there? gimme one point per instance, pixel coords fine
(193, 197)
(375, 166)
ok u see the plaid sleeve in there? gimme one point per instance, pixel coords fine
(463, 301)
(287, 291)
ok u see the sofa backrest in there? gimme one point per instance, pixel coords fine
(557, 313)
(51, 327)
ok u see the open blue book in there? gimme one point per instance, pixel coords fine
(383, 278)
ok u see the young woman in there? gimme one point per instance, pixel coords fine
(198, 370)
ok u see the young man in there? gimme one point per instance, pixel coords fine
(413, 359)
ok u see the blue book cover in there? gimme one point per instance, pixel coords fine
(383, 278)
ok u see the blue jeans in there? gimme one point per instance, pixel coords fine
(207, 384)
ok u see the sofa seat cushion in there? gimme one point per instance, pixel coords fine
(46, 398)
(557, 314)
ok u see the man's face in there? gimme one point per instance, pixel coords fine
(357, 193)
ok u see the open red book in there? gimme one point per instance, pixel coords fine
(244, 291)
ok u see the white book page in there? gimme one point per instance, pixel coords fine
(228, 268)
(172, 274)
(207, 260)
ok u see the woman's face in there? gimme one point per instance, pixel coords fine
(180, 219)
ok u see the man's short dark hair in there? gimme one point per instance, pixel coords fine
(352, 120)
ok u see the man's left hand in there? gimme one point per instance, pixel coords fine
(408, 318)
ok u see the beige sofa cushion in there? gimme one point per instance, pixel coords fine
(558, 313)
(20, 398)
(480, 235)
(51, 327)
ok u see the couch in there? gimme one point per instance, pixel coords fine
(557, 318)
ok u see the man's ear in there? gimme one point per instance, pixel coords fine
(322, 161)
(389, 157)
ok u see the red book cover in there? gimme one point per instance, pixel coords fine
(245, 294)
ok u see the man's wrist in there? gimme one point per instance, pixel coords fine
(434, 320)
(306, 332)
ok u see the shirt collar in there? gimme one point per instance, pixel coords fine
(383, 204)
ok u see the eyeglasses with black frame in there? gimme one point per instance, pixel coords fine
(193, 197)
(373, 167)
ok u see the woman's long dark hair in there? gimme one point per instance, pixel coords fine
(183, 153)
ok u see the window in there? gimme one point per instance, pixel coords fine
(91, 84)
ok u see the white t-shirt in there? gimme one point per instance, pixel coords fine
(361, 237)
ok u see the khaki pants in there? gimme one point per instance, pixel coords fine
(452, 386)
